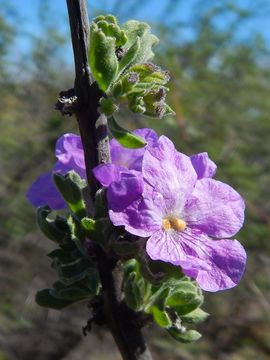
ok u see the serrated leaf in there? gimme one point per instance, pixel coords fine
(102, 58)
(194, 317)
(184, 337)
(45, 298)
(125, 137)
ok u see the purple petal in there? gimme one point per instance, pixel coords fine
(169, 172)
(137, 218)
(216, 264)
(226, 259)
(123, 192)
(215, 208)
(107, 173)
(43, 192)
(203, 165)
(70, 155)
(130, 158)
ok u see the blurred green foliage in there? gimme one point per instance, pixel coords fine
(219, 90)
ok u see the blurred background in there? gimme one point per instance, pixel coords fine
(217, 53)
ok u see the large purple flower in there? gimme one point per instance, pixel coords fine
(70, 156)
(176, 204)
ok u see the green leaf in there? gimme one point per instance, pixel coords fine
(151, 73)
(160, 317)
(69, 293)
(125, 137)
(129, 56)
(102, 58)
(45, 298)
(48, 226)
(132, 292)
(73, 271)
(77, 234)
(184, 336)
(98, 230)
(134, 29)
(184, 298)
(195, 316)
(70, 186)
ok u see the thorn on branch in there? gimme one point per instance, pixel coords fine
(67, 102)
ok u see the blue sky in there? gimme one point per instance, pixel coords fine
(151, 10)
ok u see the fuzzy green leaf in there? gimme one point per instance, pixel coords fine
(102, 58)
(184, 298)
(184, 336)
(135, 29)
(70, 186)
(125, 137)
(48, 226)
(194, 317)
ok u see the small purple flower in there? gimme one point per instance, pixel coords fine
(69, 153)
(175, 204)
(70, 156)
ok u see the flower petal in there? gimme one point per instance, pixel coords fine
(169, 172)
(137, 218)
(215, 208)
(123, 192)
(203, 165)
(226, 260)
(70, 155)
(43, 192)
(215, 264)
(107, 173)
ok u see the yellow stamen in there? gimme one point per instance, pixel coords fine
(174, 223)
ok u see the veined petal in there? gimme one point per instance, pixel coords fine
(203, 165)
(215, 208)
(215, 264)
(107, 173)
(69, 152)
(170, 246)
(43, 192)
(126, 190)
(169, 172)
(226, 260)
(137, 219)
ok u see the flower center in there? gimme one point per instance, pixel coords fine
(174, 223)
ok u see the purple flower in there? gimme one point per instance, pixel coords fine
(70, 156)
(69, 153)
(176, 204)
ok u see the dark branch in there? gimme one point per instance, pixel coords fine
(92, 124)
(93, 129)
